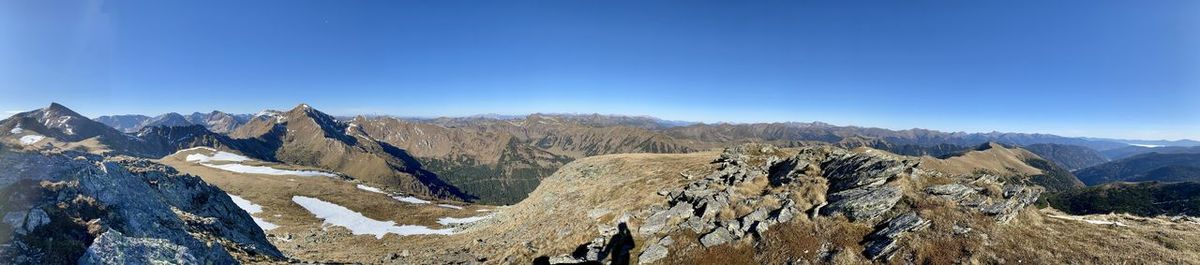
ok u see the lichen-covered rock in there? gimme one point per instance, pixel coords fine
(952, 191)
(716, 237)
(113, 247)
(881, 244)
(852, 170)
(864, 203)
(1016, 197)
(655, 251)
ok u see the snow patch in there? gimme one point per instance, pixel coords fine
(371, 189)
(450, 206)
(16, 130)
(197, 148)
(30, 139)
(410, 199)
(452, 220)
(358, 224)
(1147, 145)
(219, 156)
(1095, 222)
(252, 209)
(268, 170)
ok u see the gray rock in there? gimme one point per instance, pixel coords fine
(565, 259)
(35, 219)
(850, 171)
(785, 214)
(959, 230)
(882, 243)
(113, 247)
(716, 237)
(655, 251)
(1016, 197)
(16, 220)
(655, 223)
(862, 203)
(151, 213)
(758, 215)
(953, 191)
(695, 223)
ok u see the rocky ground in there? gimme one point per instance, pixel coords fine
(757, 204)
(74, 207)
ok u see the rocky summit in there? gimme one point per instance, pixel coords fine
(67, 207)
(756, 187)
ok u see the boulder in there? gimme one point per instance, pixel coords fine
(953, 191)
(862, 203)
(1016, 197)
(881, 244)
(850, 171)
(716, 237)
(35, 219)
(655, 251)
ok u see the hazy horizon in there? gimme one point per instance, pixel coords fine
(6, 114)
(1106, 69)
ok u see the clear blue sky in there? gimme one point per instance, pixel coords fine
(1127, 69)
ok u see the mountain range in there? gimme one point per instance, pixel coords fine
(500, 159)
(215, 121)
(578, 186)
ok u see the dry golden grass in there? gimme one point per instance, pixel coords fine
(997, 159)
(275, 194)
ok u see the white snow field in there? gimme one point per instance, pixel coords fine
(358, 224)
(252, 209)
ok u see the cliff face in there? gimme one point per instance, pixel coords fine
(79, 208)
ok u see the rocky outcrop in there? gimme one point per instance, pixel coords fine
(881, 244)
(863, 203)
(706, 205)
(857, 183)
(753, 188)
(1003, 207)
(655, 251)
(77, 207)
(1015, 198)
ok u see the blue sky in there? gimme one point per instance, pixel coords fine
(1128, 69)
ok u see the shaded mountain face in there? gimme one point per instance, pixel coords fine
(71, 207)
(780, 133)
(65, 128)
(306, 136)
(219, 122)
(168, 140)
(124, 123)
(1144, 199)
(166, 120)
(215, 121)
(1070, 157)
(501, 161)
(939, 150)
(469, 151)
(1133, 150)
(1144, 167)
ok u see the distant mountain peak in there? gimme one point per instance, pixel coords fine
(302, 107)
(56, 106)
(58, 110)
